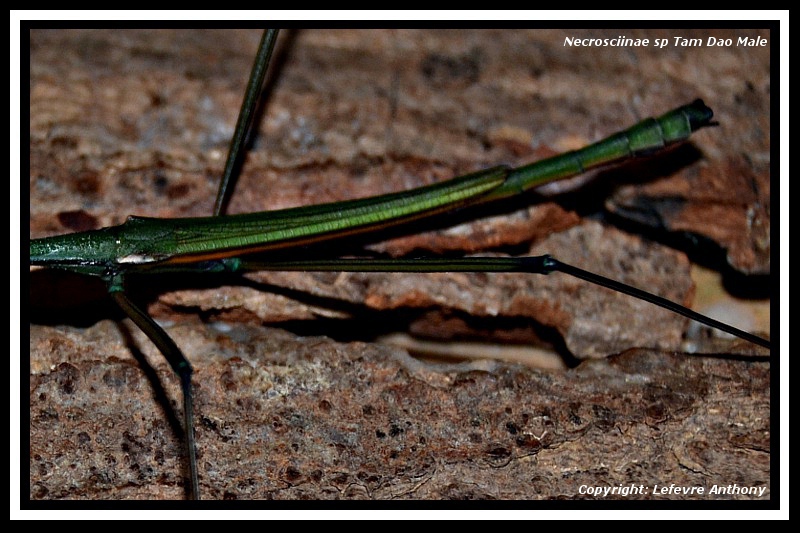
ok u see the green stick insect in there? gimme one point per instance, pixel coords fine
(124, 255)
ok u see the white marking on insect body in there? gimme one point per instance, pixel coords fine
(136, 259)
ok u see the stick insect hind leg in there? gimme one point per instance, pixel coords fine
(291, 474)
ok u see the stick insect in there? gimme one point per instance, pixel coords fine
(436, 67)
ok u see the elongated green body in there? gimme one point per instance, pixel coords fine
(151, 241)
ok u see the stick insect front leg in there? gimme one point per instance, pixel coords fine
(379, 139)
